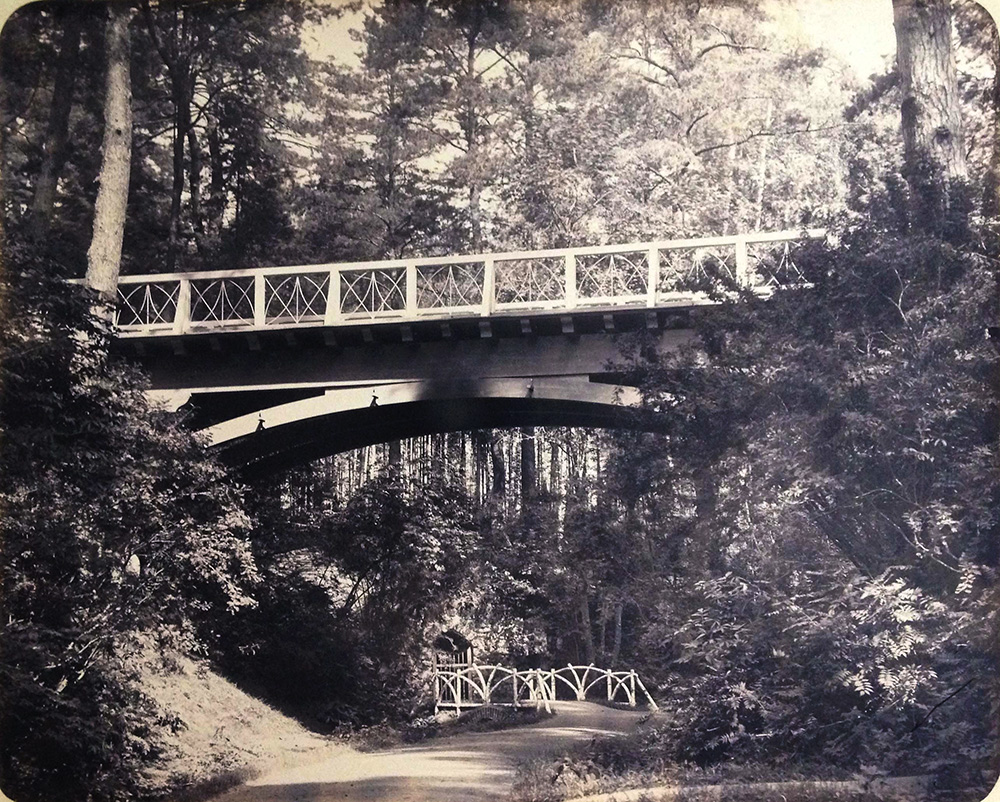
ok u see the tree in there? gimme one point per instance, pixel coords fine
(116, 524)
(934, 147)
(104, 256)
(57, 128)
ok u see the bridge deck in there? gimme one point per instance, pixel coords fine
(667, 273)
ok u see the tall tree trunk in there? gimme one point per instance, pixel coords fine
(182, 112)
(616, 650)
(586, 631)
(931, 115)
(762, 167)
(104, 255)
(472, 144)
(991, 190)
(603, 630)
(194, 186)
(57, 128)
(529, 470)
(216, 204)
(498, 465)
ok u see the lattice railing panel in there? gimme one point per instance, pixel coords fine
(296, 297)
(448, 286)
(373, 291)
(525, 281)
(222, 300)
(772, 264)
(611, 275)
(146, 305)
(697, 269)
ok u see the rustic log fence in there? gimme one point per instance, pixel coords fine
(459, 687)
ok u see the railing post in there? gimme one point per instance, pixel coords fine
(631, 676)
(489, 286)
(610, 693)
(182, 316)
(411, 289)
(570, 281)
(653, 278)
(259, 301)
(742, 265)
(332, 299)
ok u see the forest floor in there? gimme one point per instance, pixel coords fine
(471, 767)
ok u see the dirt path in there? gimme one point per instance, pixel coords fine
(466, 768)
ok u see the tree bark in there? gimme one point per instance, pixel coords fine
(933, 144)
(529, 468)
(194, 186)
(104, 255)
(586, 631)
(182, 113)
(991, 190)
(217, 187)
(497, 463)
(616, 650)
(57, 129)
(395, 453)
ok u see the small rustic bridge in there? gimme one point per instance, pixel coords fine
(282, 365)
(463, 686)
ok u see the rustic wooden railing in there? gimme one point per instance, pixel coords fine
(457, 687)
(650, 274)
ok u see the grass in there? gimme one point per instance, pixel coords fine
(620, 764)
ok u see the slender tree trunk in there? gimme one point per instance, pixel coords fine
(991, 190)
(217, 181)
(762, 167)
(104, 255)
(616, 650)
(603, 631)
(497, 463)
(472, 144)
(553, 466)
(934, 150)
(57, 129)
(586, 631)
(194, 186)
(182, 113)
(529, 470)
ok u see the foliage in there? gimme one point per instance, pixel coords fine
(849, 430)
(349, 594)
(114, 520)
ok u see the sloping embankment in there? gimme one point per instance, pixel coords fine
(222, 735)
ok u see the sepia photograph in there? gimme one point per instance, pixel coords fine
(499, 401)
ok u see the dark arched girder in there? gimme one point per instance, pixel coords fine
(308, 430)
(273, 450)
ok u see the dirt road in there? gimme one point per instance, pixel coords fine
(467, 768)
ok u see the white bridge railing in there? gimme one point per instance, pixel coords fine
(464, 686)
(648, 274)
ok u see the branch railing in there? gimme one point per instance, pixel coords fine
(465, 686)
(648, 274)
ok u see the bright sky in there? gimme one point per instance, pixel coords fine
(858, 31)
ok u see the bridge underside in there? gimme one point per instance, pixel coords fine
(296, 442)
(271, 402)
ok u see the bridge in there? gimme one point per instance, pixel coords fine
(281, 365)
(459, 686)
